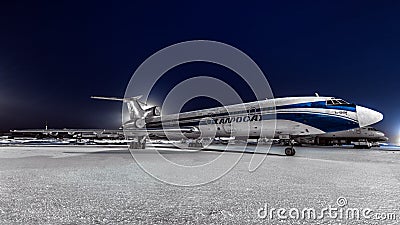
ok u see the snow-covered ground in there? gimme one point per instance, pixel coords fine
(92, 184)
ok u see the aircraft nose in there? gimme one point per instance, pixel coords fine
(367, 116)
(380, 134)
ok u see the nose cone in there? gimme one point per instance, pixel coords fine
(380, 134)
(367, 116)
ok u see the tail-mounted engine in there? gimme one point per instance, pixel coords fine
(138, 113)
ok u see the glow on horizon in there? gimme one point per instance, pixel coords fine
(398, 140)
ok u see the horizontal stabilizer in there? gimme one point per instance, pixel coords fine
(136, 98)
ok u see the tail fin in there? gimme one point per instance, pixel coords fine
(134, 105)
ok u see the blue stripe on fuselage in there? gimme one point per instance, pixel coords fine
(319, 104)
(324, 122)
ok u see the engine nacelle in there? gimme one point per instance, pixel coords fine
(153, 111)
(136, 123)
(140, 123)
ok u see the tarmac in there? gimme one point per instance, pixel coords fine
(105, 185)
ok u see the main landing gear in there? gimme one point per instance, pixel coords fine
(138, 143)
(196, 144)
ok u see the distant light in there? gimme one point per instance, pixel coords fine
(397, 141)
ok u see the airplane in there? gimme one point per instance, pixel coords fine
(69, 133)
(286, 118)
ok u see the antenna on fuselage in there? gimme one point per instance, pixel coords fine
(316, 94)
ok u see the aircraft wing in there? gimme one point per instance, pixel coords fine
(65, 130)
(130, 132)
(159, 131)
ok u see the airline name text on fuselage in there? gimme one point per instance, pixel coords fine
(238, 119)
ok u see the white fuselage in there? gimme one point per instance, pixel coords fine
(272, 117)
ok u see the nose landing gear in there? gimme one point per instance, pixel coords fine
(290, 151)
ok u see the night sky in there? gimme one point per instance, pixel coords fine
(55, 54)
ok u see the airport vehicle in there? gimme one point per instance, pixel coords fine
(283, 117)
(364, 137)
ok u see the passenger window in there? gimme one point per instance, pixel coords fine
(252, 110)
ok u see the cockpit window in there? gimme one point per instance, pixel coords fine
(336, 102)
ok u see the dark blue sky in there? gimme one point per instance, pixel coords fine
(55, 54)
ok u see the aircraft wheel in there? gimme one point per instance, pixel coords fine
(290, 151)
(132, 145)
(137, 145)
